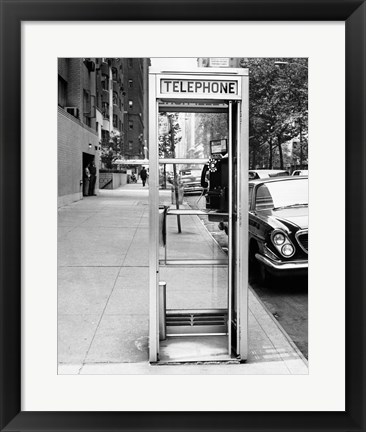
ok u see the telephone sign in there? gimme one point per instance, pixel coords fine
(200, 87)
(207, 87)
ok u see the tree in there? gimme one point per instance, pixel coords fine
(167, 146)
(210, 126)
(110, 149)
(278, 108)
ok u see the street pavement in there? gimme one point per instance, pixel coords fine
(103, 293)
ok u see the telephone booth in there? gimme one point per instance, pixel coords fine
(198, 215)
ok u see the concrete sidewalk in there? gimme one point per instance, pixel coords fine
(103, 294)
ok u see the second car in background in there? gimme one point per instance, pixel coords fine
(191, 180)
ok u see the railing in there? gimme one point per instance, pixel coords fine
(106, 184)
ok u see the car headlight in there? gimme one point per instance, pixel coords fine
(279, 239)
(282, 243)
(287, 250)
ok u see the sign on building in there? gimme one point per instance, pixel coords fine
(163, 125)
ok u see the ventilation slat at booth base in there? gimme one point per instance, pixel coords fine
(196, 323)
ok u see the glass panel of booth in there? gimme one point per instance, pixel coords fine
(187, 141)
(193, 253)
(190, 135)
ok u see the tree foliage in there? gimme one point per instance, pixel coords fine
(110, 150)
(210, 126)
(168, 142)
(278, 109)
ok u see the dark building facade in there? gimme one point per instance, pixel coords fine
(135, 111)
(90, 107)
(100, 101)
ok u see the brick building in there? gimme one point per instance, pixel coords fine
(135, 103)
(90, 106)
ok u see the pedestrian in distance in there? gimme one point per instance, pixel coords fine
(143, 175)
(93, 177)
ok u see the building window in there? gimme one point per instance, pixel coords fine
(114, 74)
(105, 135)
(130, 124)
(130, 145)
(130, 83)
(115, 120)
(62, 92)
(130, 103)
(96, 126)
(115, 98)
(86, 102)
(105, 110)
(105, 84)
(86, 107)
(130, 62)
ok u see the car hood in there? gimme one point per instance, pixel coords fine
(292, 218)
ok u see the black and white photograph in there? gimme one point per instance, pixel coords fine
(157, 272)
(182, 215)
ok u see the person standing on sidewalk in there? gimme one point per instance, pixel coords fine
(93, 177)
(86, 181)
(143, 175)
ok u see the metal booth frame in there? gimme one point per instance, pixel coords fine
(156, 94)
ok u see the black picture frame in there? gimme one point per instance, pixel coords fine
(12, 14)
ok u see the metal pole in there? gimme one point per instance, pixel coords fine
(230, 233)
(162, 310)
(153, 222)
(175, 185)
(242, 281)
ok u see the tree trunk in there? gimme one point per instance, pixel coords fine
(301, 155)
(254, 157)
(280, 151)
(270, 154)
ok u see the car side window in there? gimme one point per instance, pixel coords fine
(263, 200)
(253, 175)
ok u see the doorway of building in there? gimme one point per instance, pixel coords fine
(87, 159)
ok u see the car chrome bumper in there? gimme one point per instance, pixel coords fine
(282, 266)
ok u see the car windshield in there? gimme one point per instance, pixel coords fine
(282, 194)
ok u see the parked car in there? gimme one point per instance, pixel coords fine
(260, 174)
(300, 172)
(278, 227)
(191, 180)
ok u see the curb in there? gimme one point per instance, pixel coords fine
(283, 331)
